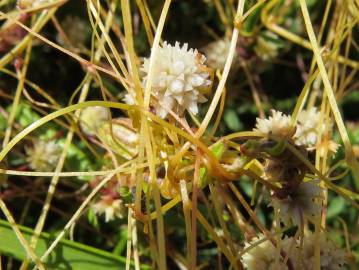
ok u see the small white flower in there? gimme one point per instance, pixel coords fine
(300, 205)
(331, 257)
(216, 53)
(44, 155)
(262, 256)
(278, 125)
(266, 49)
(120, 137)
(327, 145)
(265, 255)
(308, 128)
(130, 98)
(91, 118)
(111, 208)
(179, 79)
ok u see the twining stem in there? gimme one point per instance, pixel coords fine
(30, 252)
(55, 179)
(122, 169)
(330, 93)
(193, 247)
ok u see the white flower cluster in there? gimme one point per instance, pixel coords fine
(309, 127)
(331, 257)
(266, 48)
(265, 255)
(110, 208)
(180, 79)
(278, 125)
(216, 53)
(304, 133)
(262, 256)
(120, 137)
(300, 205)
(308, 122)
(43, 156)
(92, 118)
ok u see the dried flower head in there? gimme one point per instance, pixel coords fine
(278, 125)
(91, 118)
(301, 204)
(44, 155)
(180, 79)
(112, 208)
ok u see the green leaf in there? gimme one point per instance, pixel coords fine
(3, 122)
(232, 120)
(336, 206)
(25, 115)
(67, 255)
(217, 150)
(251, 23)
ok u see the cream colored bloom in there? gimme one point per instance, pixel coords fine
(278, 125)
(130, 98)
(120, 137)
(179, 79)
(110, 208)
(43, 156)
(265, 48)
(331, 257)
(265, 255)
(301, 205)
(91, 118)
(308, 128)
(216, 53)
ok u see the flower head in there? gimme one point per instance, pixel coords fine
(308, 128)
(180, 79)
(278, 125)
(91, 118)
(265, 255)
(301, 204)
(331, 257)
(111, 208)
(267, 46)
(308, 122)
(44, 155)
(120, 137)
(216, 53)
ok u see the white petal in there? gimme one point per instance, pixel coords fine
(176, 86)
(178, 67)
